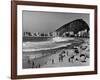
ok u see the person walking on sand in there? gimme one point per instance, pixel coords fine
(39, 65)
(59, 57)
(52, 61)
(62, 57)
(33, 64)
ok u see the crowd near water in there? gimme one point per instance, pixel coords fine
(62, 57)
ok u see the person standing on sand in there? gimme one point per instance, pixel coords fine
(33, 64)
(39, 65)
(29, 61)
(67, 53)
(52, 61)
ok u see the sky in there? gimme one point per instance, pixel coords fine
(33, 21)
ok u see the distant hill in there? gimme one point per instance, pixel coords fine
(74, 26)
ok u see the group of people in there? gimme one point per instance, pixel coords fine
(72, 55)
(61, 56)
(35, 66)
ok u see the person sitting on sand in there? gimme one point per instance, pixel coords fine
(82, 58)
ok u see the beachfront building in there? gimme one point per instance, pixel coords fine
(68, 34)
(83, 33)
(27, 34)
(55, 34)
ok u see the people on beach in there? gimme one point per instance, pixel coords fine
(82, 58)
(67, 53)
(61, 56)
(52, 61)
(76, 51)
(39, 66)
(71, 58)
(28, 61)
(33, 64)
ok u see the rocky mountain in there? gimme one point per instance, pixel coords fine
(73, 26)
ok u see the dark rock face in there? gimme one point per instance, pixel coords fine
(74, 26)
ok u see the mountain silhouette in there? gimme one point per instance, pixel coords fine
(73, 26)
